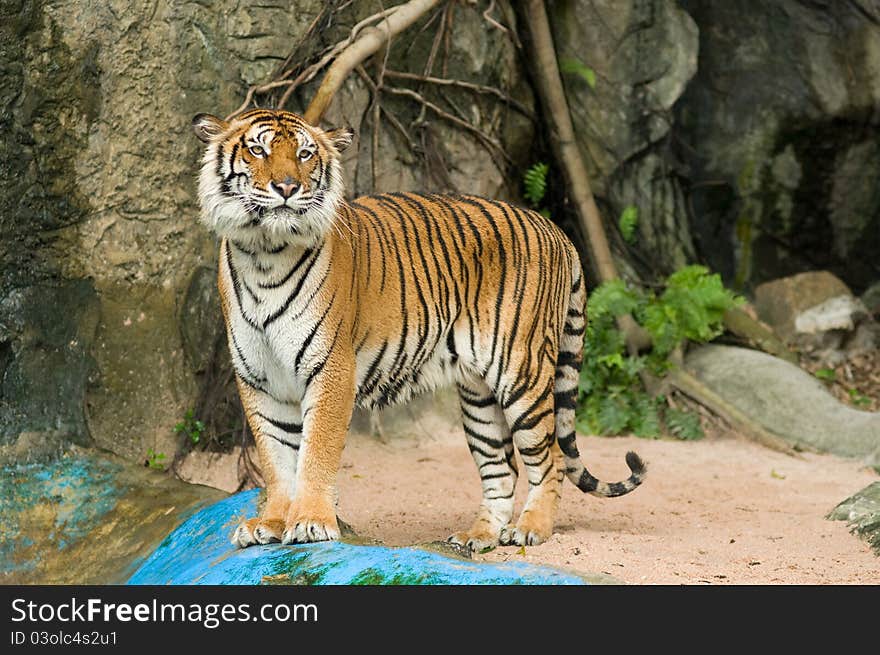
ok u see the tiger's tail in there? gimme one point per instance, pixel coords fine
(568, 367)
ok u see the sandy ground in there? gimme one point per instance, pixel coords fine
(717, 511)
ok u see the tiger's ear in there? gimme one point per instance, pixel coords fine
(208, 127)
(341, 137)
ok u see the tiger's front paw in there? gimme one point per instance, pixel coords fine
(532, 529)
(482, 537)
(257, 531)
(307, 522)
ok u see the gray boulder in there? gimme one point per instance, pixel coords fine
(787, 401)
(871, 299)
(837, 313)
(816, 313)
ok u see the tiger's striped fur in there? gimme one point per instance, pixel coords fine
(331, 304)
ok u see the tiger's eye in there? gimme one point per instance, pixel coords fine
(305, 155)
(257, 151)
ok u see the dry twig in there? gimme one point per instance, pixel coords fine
(491, 144)
(391, 117)
(470, 86)
(494, 23)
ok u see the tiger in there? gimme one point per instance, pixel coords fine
(332, 303)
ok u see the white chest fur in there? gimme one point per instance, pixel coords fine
(275, 317)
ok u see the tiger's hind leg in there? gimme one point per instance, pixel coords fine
(491, 446)
(277, 429)
(532, 425)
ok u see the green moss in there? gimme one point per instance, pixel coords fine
(743, 232)
(296, 568)
(373, 576)
(748, 188)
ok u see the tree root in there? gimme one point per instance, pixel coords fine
(748, 427)
(744, 326)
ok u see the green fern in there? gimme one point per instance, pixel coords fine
(628, 222)
(612, 399)
(613, 298)
(535, 183)
(684, 424)
(572, 66)
(692, 307)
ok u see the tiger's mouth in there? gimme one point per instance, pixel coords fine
(273, 218)
(288, 211)
(302, 217)
(283, 218)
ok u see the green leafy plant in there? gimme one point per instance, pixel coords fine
(628, 223)
(683, 424)
(535, 183)
(612, 397)
(191, 427)
(858, 398)
(572, 66)
(826, 374)
(155, 460)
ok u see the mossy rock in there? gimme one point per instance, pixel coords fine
(862, 512)
(87, 517)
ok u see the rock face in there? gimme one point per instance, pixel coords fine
(643, 53)
(779, 128)
(99, 213)
(108, 312)
(787, 401)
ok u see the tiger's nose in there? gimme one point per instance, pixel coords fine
(286, 188)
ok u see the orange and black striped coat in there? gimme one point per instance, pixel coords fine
(332, 303)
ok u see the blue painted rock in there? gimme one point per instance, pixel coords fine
(199, 552)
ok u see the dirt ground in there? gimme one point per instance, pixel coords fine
(718, 511)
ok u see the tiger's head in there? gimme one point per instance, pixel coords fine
(269, 174)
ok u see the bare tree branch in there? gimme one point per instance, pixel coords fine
(494, 23)
(394, 22)
(568, 154)
(391, 117)
(550, 84)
